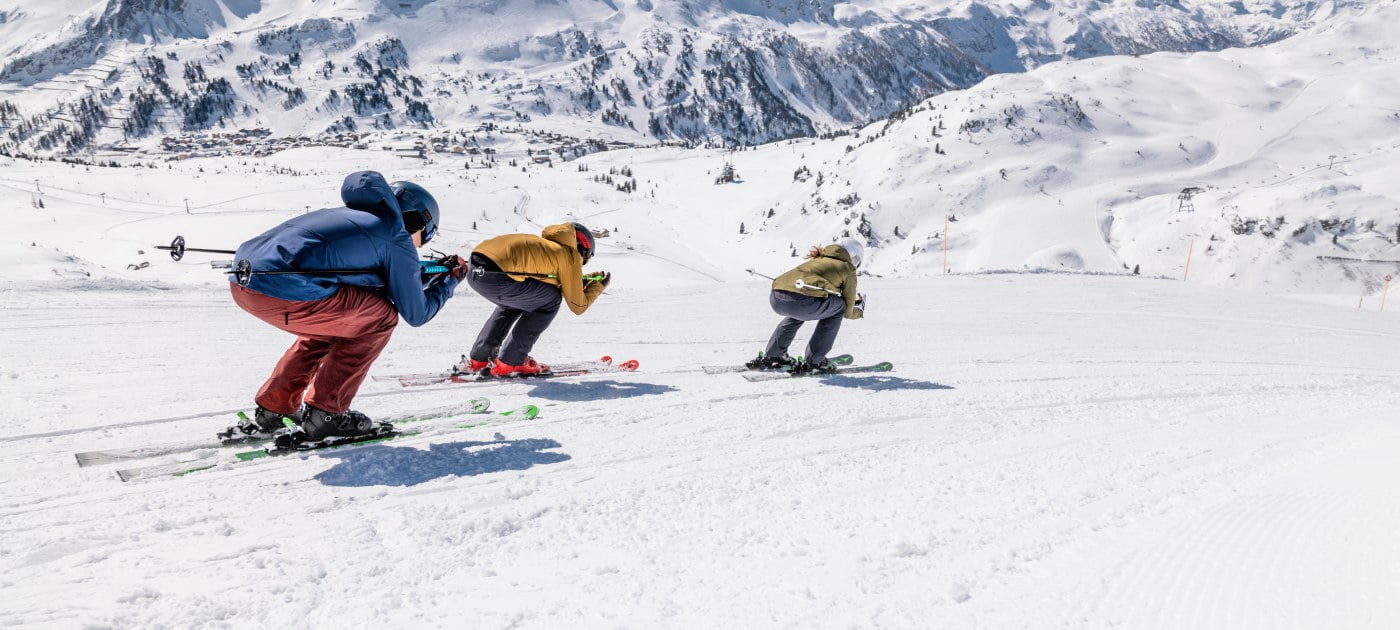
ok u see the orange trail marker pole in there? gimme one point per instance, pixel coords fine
(1189, 250)
(1384, 292)
(945, 243)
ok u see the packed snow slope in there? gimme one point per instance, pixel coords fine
(1052, 451)
(79, 73)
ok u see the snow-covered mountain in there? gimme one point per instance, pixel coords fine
(1265, 167)
(76, 72)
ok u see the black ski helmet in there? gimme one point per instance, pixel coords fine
(420, 210)
(585, 242)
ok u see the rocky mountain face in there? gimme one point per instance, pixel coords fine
(695, 71)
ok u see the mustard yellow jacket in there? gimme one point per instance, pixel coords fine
(554, 253)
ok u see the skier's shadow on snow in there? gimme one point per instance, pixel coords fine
(880, 383)
(596, 390)
(382, 465)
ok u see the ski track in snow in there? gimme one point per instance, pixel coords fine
(1172, 457)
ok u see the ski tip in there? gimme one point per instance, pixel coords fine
(606, 359)
(884, 367)
(528, 412)
(630, 365)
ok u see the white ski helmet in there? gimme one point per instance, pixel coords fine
(855, 248)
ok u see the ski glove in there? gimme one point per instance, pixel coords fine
(456, 267)
(860, 303)
(604, 280)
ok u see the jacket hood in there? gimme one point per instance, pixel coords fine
(562, 234)
(838, 252)
(367, 191)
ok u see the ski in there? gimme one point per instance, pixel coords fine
(844, 359)
(383, 434)
(179, 469)
(768, 376)
(234, 437)
(600, 366)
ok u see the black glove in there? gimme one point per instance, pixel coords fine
(607, 277)
(456, 267)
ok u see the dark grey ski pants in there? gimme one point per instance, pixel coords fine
(796, 309)
(523, 310)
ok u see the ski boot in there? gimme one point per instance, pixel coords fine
(805, 368)
(529, 367)
(469, 365)
(771, 363)
(317, 425)
(263, 423)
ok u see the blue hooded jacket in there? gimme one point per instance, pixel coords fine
(367, 233)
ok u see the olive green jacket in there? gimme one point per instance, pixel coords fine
(828, 275)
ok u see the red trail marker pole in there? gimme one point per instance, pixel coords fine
(1189, 250)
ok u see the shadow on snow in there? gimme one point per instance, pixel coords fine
(383, 465)
(596, 390)
(880, 383)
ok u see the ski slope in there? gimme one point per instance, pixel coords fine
(1052, 451)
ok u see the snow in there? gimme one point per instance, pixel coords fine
(1052, 450)
(1062, 444)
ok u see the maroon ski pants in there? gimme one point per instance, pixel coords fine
(338, 338)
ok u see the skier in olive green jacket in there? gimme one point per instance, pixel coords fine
(821, 289)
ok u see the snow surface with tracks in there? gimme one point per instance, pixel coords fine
(1052, 451)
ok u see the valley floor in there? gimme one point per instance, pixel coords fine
(1051, 451)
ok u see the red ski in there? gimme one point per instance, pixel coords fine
(601, 366)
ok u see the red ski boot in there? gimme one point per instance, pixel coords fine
(469, 365)
(530, 367)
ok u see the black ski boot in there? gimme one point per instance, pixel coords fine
(805, 368)
(317, 425)
(267, 421)
(264, 423)
(771, 363)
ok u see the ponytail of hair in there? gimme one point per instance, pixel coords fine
(815, 252)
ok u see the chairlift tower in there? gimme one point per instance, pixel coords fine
(1183, 199)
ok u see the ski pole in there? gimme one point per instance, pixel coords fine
(555, 276)
(804, 285)
(760, 274)
(243, 271)
(177, 249)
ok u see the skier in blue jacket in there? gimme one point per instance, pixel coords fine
(342, 320)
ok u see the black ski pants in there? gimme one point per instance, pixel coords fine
(796, 309)
(523, 311)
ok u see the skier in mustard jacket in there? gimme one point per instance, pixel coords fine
(821, 289)
(526, 277)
